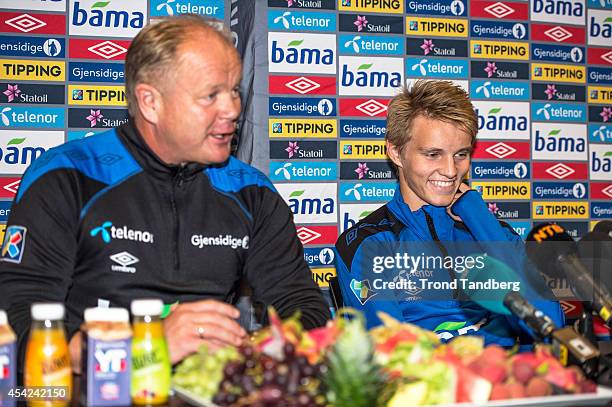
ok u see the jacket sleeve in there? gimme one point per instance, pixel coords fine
(275, 267)
(39, 268)
(359, 293)
(486, 228)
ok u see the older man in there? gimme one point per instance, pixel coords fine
(158, 208)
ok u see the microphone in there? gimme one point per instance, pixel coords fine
(568, 346)
(551, 248)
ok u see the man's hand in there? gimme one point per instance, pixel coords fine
(74, 348)
(189, 325)
(462, 189)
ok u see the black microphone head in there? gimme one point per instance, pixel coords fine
(545, 243)
(604, 226)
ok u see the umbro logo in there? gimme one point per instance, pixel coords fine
(124, 260)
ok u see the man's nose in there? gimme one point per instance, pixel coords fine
(447, 167)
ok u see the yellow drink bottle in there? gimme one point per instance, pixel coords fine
(151, 368)
(47, 360)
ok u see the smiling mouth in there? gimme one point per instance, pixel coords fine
(442, 184)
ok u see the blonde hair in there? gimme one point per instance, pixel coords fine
(433, 99)
(153, 52)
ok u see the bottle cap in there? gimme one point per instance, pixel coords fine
(48, 310)
(141, 308)
(106, 315)
(3, 318)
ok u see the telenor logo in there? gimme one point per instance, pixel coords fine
(108, 232)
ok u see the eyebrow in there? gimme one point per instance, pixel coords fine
(468, 149)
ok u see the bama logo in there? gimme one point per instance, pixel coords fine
(559, 142)
(303, 53)
(557, 92)
(558, 73)
(310, 203)
(29, 116)
(499, 30)
(600, 162)
(437, 8)
(438, 27)
(560, 210)
(301, 107)
(19, 148)
(301, 20)
(211, 8)
(558, 11)
(600, 133)
(303, 171)
(557, 53)
(111, 18)
(351, 214)
(380, 76)
(107, 232)
(481, 89)
(367, 191)
(370, 45)
(599, 28)
(319, 256)
(508, 120)
(362, 128)
(499, 50)
(503, 190)
(560, 190)
(33, 94)
(500, 170)
(33, 47)
(432, 68)
(558, 112)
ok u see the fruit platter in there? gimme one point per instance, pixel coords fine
(394, 365)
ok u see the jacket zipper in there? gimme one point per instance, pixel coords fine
(434, 235)
(178, 181)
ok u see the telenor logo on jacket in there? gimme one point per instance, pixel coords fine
(108, 232)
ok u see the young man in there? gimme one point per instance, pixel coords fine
(431, 131)
(158, 208)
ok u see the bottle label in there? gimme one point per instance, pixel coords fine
(150, 370)
(8, 373)
(108, 371)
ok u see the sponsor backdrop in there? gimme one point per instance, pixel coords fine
(539, 72)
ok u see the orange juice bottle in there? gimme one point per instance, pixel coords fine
(151, 370)
(47, 360)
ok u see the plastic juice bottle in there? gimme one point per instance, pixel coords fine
(7, 361)
(47, 360)
(150, 360)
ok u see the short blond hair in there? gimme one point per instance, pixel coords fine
(433, 99)
(153, 52)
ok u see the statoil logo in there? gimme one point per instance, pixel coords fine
(312, 202)
(300, 52)
(444, 27)
(19, 148)
(482, 89)
(558, 112)
(370, 76)
(370, 45)
(600, 27)
(508, 120)
(559, 142)
(301, 20)
(558, 11)
(558, 92)
(367, 191)
(600, 162)
(436, 68)
(109, 18)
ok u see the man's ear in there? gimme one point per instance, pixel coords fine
(149, 102)
(394, 154)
